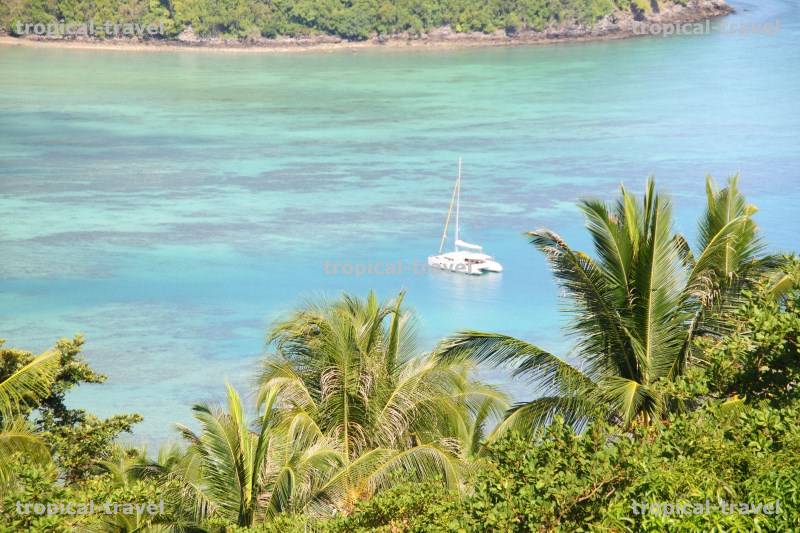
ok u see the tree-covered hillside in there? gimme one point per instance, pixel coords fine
(348, 19)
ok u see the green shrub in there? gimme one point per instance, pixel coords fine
(567, 481)
(412, 507)
(759, 355)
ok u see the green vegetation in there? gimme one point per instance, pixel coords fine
(349, 19)
(637, 308)
(351, 370)
(685, 392)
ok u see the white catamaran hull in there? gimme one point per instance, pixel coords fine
(450, 264)
(492, 266)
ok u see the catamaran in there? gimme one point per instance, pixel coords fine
(466, 258)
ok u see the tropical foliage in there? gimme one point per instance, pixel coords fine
(636, 308)
(758, 357)
(245, 476)
(350, 367)
(563, 481)
(24, 383)
(684, 391)
(359, 19)
(77, 439)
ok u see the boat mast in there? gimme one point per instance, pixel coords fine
(450, 209)
(458, 204)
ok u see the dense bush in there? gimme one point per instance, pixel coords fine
(596, 480)
(412, 507)
(564, 483)
(569, 481)
(739, 442)
(758, 356)
(349, 19)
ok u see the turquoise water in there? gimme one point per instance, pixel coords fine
(170, 205)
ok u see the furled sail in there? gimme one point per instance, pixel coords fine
(468, 246)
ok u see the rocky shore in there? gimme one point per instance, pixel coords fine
(618, 25)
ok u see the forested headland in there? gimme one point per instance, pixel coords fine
(262, 21)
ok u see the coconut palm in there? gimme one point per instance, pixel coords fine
(351, 366)
(635, 307)
(31, 382)
(128, 465)
(740, 261)
(246, 476)
(127, 468)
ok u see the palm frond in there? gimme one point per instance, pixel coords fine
(530, 418)
(34, 380)
(594, 303)
(551, 373)
(16, 437)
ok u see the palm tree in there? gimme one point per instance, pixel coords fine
(33, 381)
(740, 261)
(246, 476)
(351, 367)
(635, 308)
(126, 468)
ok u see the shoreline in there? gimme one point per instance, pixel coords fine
(613, 27)
(395, 44)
